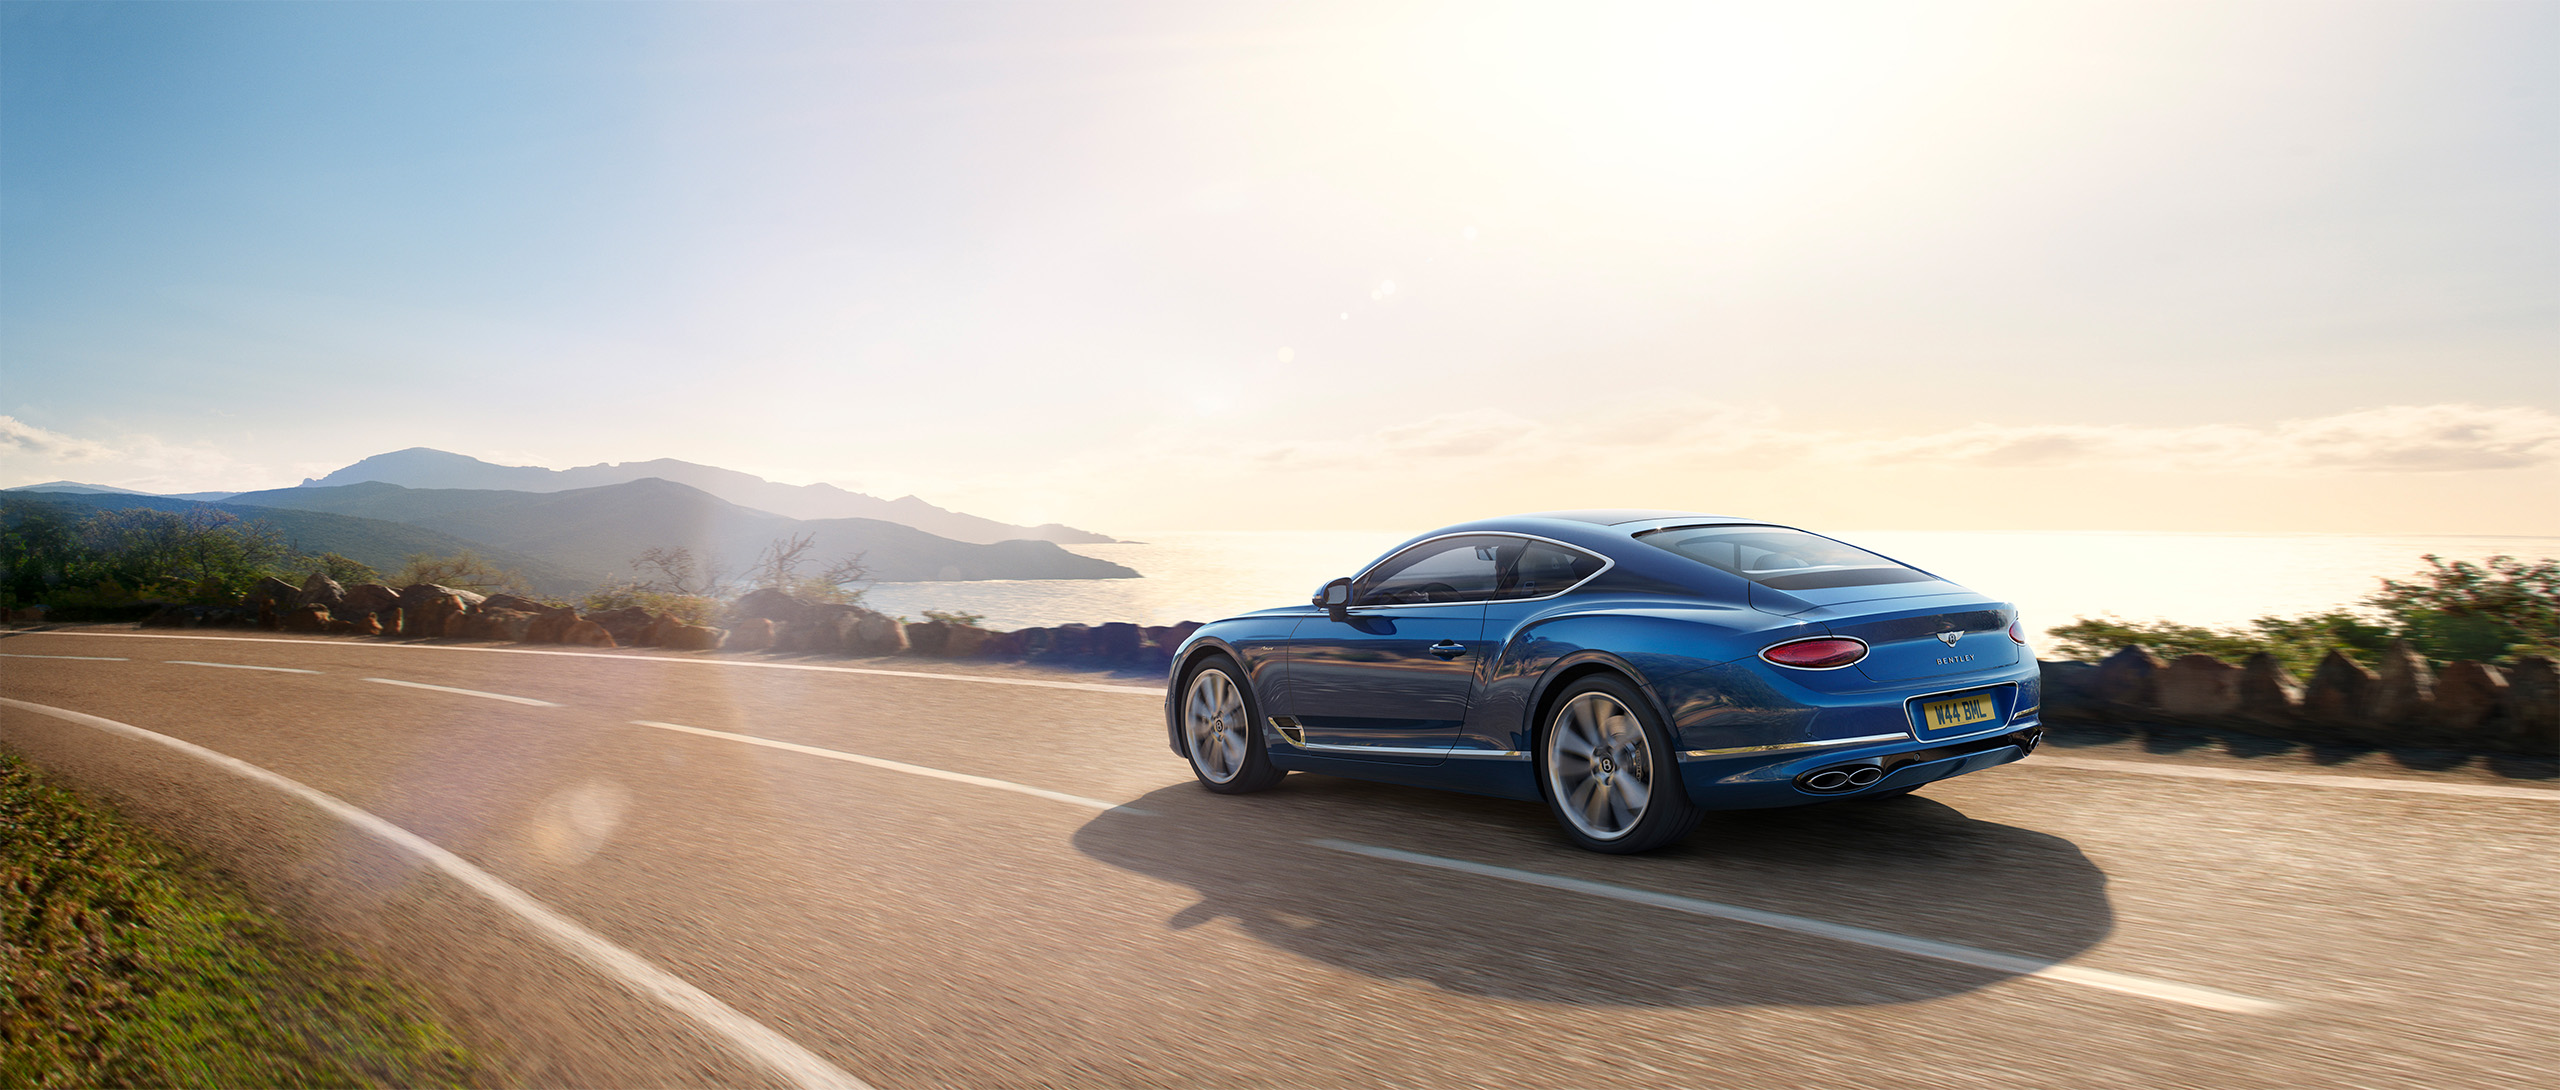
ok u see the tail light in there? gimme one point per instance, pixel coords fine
(2018, 631)
(1817, 653)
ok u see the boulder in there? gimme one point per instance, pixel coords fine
(507, 625)
(417, 595)
(2198, 687)
(752, 634)
(586, 633)
(1170, 636)
(629, 625)
(768, 603)
(2070, 689)
(2533, 706)
(1116, 642)
(320, 590)
(676, 635)
(368, 598)
(305, 619)
(962, 641)
(2403, 687)
(516, 602)
(431, 616)
(267, 616)
(551, 625)
(1069, 641)
(877, 634)
(2468, 695)
(272, 593)
(927, 637)
(2128, 680)
(1002, 645)
(2339, 693)
(2268, 692)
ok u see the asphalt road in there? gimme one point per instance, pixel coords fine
(1001, 877)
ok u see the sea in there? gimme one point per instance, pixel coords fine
(2053, 576)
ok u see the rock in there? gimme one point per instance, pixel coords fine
(274, 593)
(305, 619)
(1001, 645)
(2339, 693)
(416, 596)
(1170, 636)
(825, 630)
(1036, 642)
(2070, 689)
(586, 633)
(1069, 641)
(877, 634)
(2198, 687)
(268, 618)
(2468, 695)
(507, 625)
(752, 634)
(339, 626)
(629, 626)
(962, 641)
(2128, 680)
(767, 603)
(1116, 642)
(516, 602)
(2403, 688)
(551, 625)
(675, 635)
(320, 590)
(927, 637)
(2533, 706)
(2268, 692)
(368, 598)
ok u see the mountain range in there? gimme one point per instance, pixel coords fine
(426, 467)
(568, 530)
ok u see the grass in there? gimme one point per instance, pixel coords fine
(127, 964)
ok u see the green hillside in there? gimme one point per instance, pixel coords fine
(382, 544)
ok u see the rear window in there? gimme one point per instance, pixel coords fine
(1781, 559)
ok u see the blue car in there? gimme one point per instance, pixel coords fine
(1633, 669)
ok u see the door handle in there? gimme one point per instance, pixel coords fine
(1448, 649)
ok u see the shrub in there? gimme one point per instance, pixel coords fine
(2493, 610)
(465, 570)
(695, 609)
(946, 616)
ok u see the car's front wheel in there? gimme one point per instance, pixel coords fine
(1608, 770)
(1219, 732)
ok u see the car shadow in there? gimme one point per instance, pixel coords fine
(1910, 866)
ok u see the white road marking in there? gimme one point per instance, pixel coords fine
(744, 1035)
(238, 666)
(2297, 779)
(81, 658)
(902, 766)
(525, 700)
(1156, 691)
(2188, 994)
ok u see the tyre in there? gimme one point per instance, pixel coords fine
(1607, 769)
(1221, 729)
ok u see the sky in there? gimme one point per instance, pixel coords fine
(2230, 266)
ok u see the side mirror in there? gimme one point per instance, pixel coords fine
(1334, 596)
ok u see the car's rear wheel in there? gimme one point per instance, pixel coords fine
(1219, 729)
(1608, 771)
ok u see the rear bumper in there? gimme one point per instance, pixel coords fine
(1750, 782)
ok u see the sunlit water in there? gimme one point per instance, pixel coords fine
(2206, 579)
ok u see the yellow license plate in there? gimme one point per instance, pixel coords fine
(1942, 714)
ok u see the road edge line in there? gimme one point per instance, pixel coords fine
(1103, 805)
(746, 1036)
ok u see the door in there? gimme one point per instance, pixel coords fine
(1391, 677)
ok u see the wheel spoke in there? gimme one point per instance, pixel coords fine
(1598, 804)
(1635, 792)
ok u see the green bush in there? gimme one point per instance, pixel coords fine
(2486, 612)
(947, 616)
(695, 609)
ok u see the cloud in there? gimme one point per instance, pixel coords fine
(20, 437)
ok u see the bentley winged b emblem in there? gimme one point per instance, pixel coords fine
(1950, 638)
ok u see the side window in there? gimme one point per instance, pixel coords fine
(1543, 569)
(1453, 569)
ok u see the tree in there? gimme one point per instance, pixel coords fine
(345, 571)
(780, 563)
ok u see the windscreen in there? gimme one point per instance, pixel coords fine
(1781, 559)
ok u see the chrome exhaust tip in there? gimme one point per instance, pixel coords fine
(1829, 779)
(1864, 776)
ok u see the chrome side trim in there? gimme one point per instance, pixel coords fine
(1782, 746)
(1606, 563)
(1406, 751)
